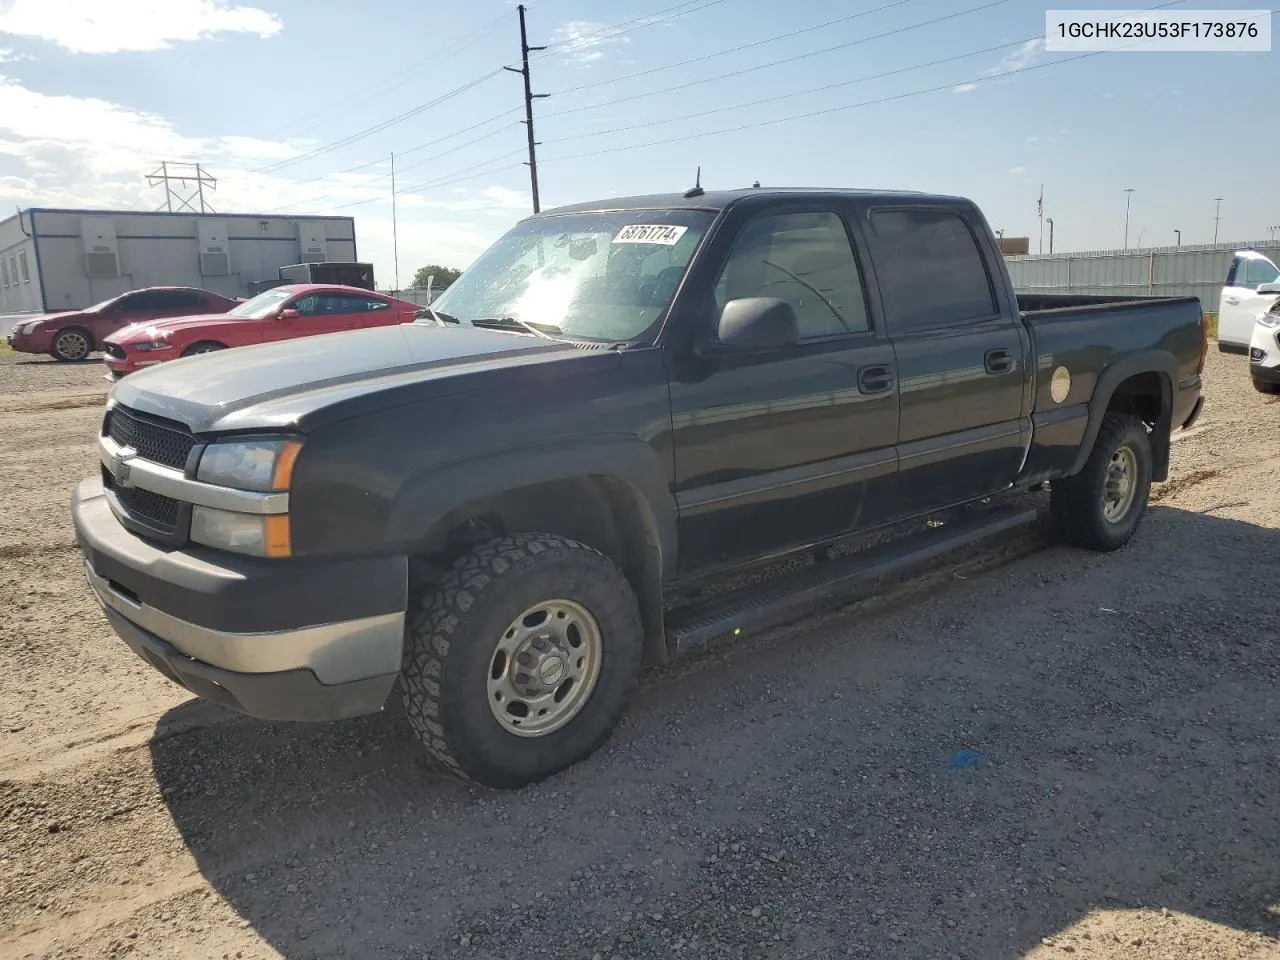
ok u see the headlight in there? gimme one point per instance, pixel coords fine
(256, 535)
(27, 328)
(146, 345)
(1268, 319)
(260, 465)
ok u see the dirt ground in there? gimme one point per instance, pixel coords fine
(1061, 753)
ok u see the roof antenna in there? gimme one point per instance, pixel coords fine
(697, 190)
(756, 185)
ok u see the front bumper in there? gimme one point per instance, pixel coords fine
(30, 342)
(275, 639)
(1264, 374)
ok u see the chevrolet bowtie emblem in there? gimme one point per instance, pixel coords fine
(123, 469)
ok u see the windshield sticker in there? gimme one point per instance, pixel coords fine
(666, 235)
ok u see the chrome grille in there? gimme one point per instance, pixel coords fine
(114, 350)
(153, 439)
(160, 513)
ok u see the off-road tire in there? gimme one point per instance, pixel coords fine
(450, 642)
(204, 346)
(1076, 502)
(66, 338)
(1263, 386)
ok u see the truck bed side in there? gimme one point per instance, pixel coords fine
(1092, 354)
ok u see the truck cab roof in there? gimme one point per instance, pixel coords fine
(723, 199)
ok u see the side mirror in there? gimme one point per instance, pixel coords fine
(1269, 288)
(288, 314)
(756, 323)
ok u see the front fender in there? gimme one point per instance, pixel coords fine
(430, 495)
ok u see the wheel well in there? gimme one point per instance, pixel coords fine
(605, 513)
(1148, 396)
(1141, 395)
(204, 343)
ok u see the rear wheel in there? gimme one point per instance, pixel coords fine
(71, 344)
(1100, 507)
(522, 660)
(1264, 386)
(204, 346)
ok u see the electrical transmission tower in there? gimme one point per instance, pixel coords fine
(184, 185)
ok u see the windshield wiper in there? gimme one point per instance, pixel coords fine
(506, 323)
(440, 318)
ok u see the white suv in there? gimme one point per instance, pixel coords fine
(1250, 290)
(1264, 349)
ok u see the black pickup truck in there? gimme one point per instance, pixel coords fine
(491, 517)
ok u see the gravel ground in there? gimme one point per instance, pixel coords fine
(1039, 753)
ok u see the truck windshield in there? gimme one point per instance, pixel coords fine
(261, 305)
(594, 276)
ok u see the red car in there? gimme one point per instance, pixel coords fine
(77, 333)
(281, 313)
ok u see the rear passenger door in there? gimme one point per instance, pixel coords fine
(780, 448)
(960, 351)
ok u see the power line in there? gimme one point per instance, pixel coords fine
(785, 60)
(851, 106)
(439, 54)
(603, 34)
(736, 49)
(797, 93)
(376, 128)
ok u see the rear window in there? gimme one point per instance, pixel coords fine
(931, 270)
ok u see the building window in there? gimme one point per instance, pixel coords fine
(22, 261)
(4, 272)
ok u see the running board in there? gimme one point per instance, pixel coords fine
(768, 603)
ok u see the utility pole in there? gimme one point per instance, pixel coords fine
(1128, 195)
(1216, 217)
(395, 238)
(1049, 220)
(171, 172)
(1178, 240)
(529, 97)
(1272, 231)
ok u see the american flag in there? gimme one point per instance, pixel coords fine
(1040, 204)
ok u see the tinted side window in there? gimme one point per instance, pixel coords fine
(146, 300)
(931, 270)
(185, 300)
(1259, 271)
(805, 259)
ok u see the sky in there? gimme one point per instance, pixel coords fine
(296, 106)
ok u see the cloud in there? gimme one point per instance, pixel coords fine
(113, 26)
(582, 42)
(1024, 56)
(85, 152)
(1017, 170)
(964, 88)
(7, 55)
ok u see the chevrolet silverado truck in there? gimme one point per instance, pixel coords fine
(487, 520)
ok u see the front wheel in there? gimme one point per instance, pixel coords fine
(1100, 507)
(522, 660)
(72, 344)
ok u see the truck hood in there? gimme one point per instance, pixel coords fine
(143, 329)
(276, 385)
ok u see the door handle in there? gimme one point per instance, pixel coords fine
(998, 361)
(1234, 301)
(875, 379)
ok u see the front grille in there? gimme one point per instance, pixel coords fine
(153, 439)
(114, 350)
(160, 513)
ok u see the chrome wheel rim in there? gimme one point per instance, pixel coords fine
(73, 345)
(544, 668)
(1121, 485)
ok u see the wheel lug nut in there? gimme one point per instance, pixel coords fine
(524, 659)
(523, 678)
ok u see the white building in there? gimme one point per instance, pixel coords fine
(53, 260)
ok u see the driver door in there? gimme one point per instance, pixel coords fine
(781, 448)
